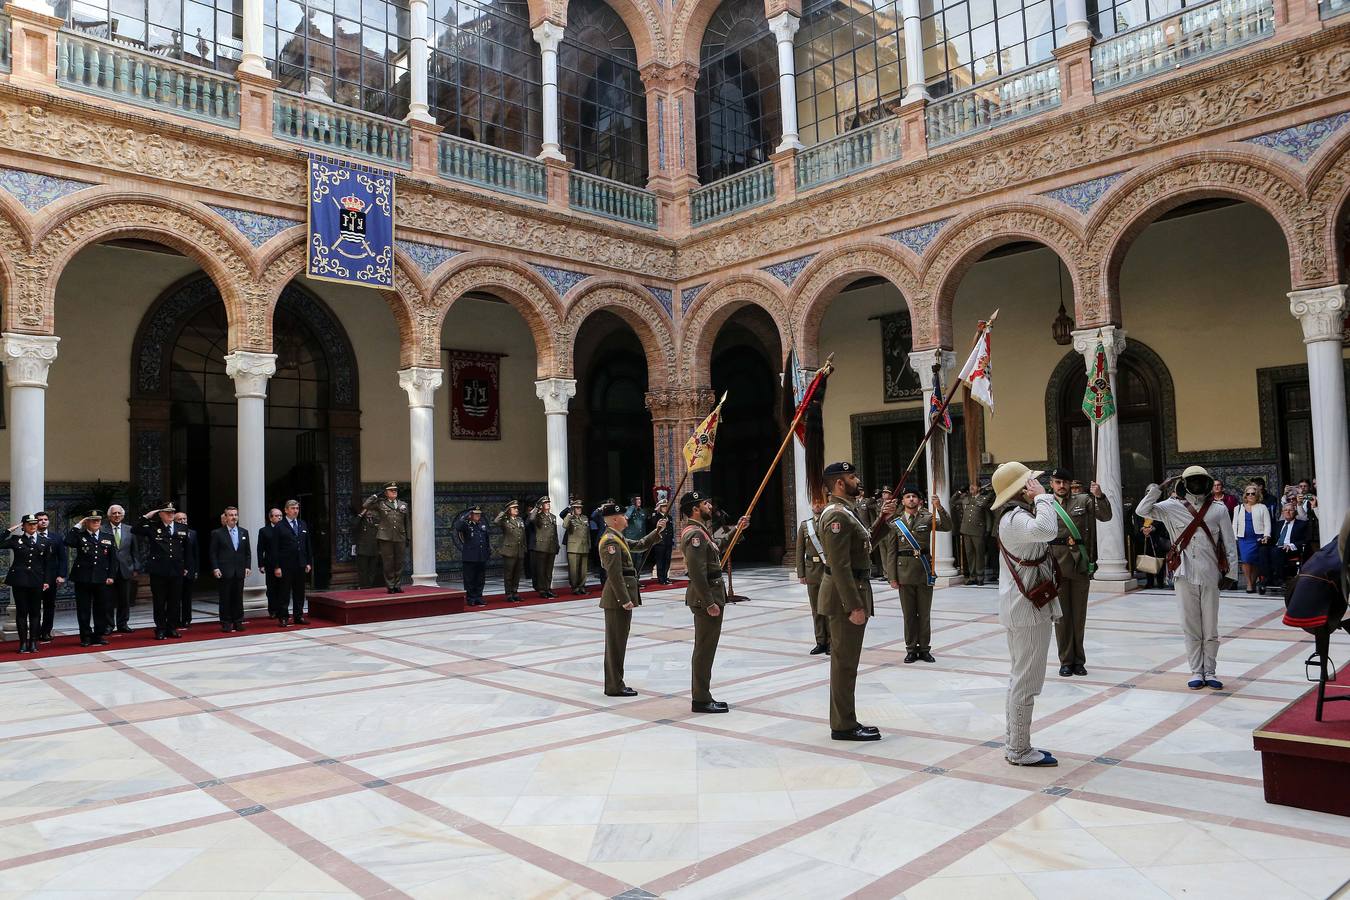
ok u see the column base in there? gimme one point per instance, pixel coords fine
(424, 579)
(255, 601)
(943, 581)
(1112, 586)
(254, 65)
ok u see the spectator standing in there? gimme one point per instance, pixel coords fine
(1221, 495)
(637, 520)
(231, 561)
(56, 574)
(1152, 541)
(665, 548)
(125, 548)
(1251, 527)
(192, 564)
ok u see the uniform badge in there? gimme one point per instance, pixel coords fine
(611, 549)
(696, 541)
(835, 527)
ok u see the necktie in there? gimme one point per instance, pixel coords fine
(117, 537)
(1284, 534)
(295, 526)
(234, 538)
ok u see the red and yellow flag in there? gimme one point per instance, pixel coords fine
(698, 450)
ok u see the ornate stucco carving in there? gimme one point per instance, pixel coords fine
(697, 332)
(527, 295)
(652, 327)
(818, 286)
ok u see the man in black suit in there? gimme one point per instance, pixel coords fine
(91, 565)
(267, 563)
(56, 574)
(124, 573)
(1291, 540)
(193, 561)
(231, 558)
(291, 562)
(27, 579)
(165, 560)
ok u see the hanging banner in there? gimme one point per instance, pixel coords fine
(351, 223)
(899, 380)
(475, 396)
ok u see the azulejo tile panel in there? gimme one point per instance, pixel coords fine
(689, 295)
(663, 296)
(787, 272)
(1084, 195)
(561, 280)
(918, 237)
(259, 228)
(35, 190)
(1302, 141)
(427, 256)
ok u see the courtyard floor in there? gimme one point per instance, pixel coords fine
(474, 756)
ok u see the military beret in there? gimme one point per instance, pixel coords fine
(611, 509)
(911, 489)
(1061, 473)
(689, 501)
(391, 486)
(839, 468)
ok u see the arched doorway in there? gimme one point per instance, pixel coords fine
(614, 424)
(183, 414)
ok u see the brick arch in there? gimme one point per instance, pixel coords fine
(1329, 192)
(698, 330)
(964, 242)
(221, 252)
(641, 312)
(1145, 196)
(519, 286)
(14, 255)
(689, 22)
(641, 17)
(828, 274)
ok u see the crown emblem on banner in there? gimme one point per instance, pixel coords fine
(353, 203)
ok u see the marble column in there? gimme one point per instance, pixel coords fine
(253, 60)
(419, 60)
(557, 393)
(944, 559)
(1321, 312)
(251, 372)
(1113, 570)
(1076, 21)
(548, 36)
(917, 88)
(784, 27)
(421, 385)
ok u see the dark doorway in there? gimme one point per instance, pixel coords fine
(617, 427)
(1138, 406)
(1294, 415)
(887, 448)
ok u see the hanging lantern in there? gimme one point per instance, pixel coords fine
(1062, 330)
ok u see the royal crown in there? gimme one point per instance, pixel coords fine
(353, 203)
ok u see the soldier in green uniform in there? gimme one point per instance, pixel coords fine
(512, 549)
(577, 529)
(845, 597)
(366, 549)
(706, 595)
(810, 569)
(867, 508)
(885, 542)
(620, 593)
(391, 530)
(976, 522)
(1075, 551)
(545, 547)
(909, 568)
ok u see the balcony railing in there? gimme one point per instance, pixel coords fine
(1189, 36)
(611, 199)
(1023, 93)
(732, 194)
(316, 123)
(850, 152)
(500, 170)
(134, 76)
(4, 43)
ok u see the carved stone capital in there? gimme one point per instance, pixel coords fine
(683, 403)
(548, 35)
(556, 393)
(1113, 339)
(784, 27)
(421, 384)
(250, 372)
(1321, 312)
(923, 361)
(27, 357)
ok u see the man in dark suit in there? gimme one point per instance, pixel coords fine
(56, 574)
(267, 562)
(292, 562)
(91, 565)
(231, 558)
(1291, 541)
(27, 579)
(193, 561)
(165, 560)
(124, 573)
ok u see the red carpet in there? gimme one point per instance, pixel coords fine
(1306, 763)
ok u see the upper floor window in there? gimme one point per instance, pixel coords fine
(736, 112)
(208, 33)
(967, 42)
(1108, 17)
(601, 100)
(850, 62)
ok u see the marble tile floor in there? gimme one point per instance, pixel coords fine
(475, 756)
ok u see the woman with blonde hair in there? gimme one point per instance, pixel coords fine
(1251, 527)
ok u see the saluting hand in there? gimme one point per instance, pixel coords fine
(1096, 490)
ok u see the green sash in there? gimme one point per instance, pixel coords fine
(1077, 537)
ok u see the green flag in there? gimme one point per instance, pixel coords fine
(1098, 402)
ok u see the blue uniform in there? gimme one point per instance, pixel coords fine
(477, 550)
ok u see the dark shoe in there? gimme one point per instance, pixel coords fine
(1251, 590)
(911, 657)
(1065, 671)
(1195, 684)
(124, 629)
(398, 589)
(861, 733)
(710, 706)
(238, 626)
(390, 590)
(927, 657)
(1261, 588)
(549, 595)
(85, 642)
(99, 642)
(1213, 683)
(159, 635)
(1079, 669)
(301, 620)
(283, 622)
(227, 627)
(184, 626)
(819, 648)
(514, 598)
(45, 638)
(173, 633)
(625, 692)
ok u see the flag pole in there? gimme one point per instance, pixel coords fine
(791, 432)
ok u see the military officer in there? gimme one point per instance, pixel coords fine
(27, 579)
(367, 550)
(477, 550)
(56, 574)
(512, 549)
(845, 597)
(1075, 551)
(885, 542)
(577, 530)
(620, 593)
(391, 530)
(164, 558)
(810, 569)
(705, 596)
(909, 569)
(976, 522)
(545, 547)
(91, 566)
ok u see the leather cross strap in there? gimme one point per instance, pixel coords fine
(1198, 521)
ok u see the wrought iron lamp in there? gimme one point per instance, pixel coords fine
(1062, 329)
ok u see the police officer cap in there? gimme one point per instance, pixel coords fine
(164, 506)
(1062, 474)
(611, 509)
(93, 514)
(911, 489)
(476, 509)
(511, 503)
(689, 501)
(391, 486)
(833, 470)
(28, 520)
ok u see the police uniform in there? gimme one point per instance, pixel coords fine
(25, 578)
(577, 531)
(512, 548)
(91, 571)
(367, 551)
(545, 549)
(976, 523)
(910, 567)
(811, 568)
(477, 550)
(1076, 561)
(164, 559)
(847, 586)
(703, 561)
(391, 531)
(621, 587)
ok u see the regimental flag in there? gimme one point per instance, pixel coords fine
(937, 410)
(351, 223)
(698, 450)
(804, 400)
(1099, 404)
(977, 372)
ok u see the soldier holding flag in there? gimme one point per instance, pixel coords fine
(909, 569)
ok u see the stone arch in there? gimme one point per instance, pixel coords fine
(830, 273)
(1329, 193)
(642, 314)
(13, 256)
(691, 19)
(714, 306)
(1134, 205)
(519, 286)
(222, 253)
(963, 243)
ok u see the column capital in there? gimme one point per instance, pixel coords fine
(548, 35)
(250, 372)
(682, 403)
(27, 357)
(421, 384)
(784, 26)
(556, 393)
(923, 360)
(1113, 339)
(1321, 312)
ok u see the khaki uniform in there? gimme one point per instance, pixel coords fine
(703, 562)
(845, 587)
(903, 566)
(1075, 578)
(545, 550)
(811, 568)
(367, 552)
(391, 530)
(577, 533)
(868, 511)
(976, 523)
(621, 586)
(512, 549)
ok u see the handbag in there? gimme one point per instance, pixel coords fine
(1149, 565)
(1042, 593)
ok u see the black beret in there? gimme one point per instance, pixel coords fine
(689, 501)
(839, 468)
(911, 489)
(1062, 474)
(612, 509)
